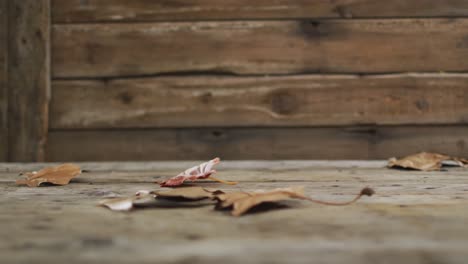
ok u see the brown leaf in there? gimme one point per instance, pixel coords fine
(425, 161)
(242, 205)
(226, 200)
(241, 202)
(180, 197)
(59, 175)
(187, 193)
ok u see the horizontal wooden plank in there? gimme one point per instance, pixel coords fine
(78, 11)
(256, 143)
(260, 101)
(260, 47)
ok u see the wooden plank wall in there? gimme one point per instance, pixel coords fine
(343, 79)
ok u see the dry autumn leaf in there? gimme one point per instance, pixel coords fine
(241, 202)
(58, 175)
(180, 197)
(202, 171)
(425, 161)
(226, 200)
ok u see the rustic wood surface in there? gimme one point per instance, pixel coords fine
(28, 79)
(368, 142)
(260, 47)
(79, 11)
(3, 81)
(416, 217)
(308, 100)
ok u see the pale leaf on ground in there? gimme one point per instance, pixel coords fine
(118, 204)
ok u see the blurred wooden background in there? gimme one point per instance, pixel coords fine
(93, 80)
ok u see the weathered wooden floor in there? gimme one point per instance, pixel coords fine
(415, 217)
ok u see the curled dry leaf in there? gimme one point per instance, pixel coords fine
(202, 171)
(59, 175)
(241, 202)
(425, 161)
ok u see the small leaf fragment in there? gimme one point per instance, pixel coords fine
(202, 171)
(425, 161)
(140, 199)
(118, 204)
(58, 175)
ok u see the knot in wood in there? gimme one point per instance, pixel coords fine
(206, 97)
(283, 103)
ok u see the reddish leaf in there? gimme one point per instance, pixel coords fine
(202, 171)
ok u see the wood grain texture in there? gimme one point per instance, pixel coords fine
(415, 216)
(307, 100)
(16, 168)
(260, 47)
(256, 143)
(79, 11)
(29, 75)
(3, 81)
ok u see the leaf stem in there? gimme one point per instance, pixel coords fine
(366, 191)
(222, 181)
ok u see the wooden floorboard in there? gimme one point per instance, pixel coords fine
(417, 217)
